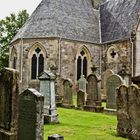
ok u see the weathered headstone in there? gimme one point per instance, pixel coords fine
(47, 89)
(113, 82)
(80, 99)
(67, 91)
(30, 124)
(82, 83)
(128, 108)
(93, 102)
(9, 91)
(123, 126)
(134, 111)
(105, 76)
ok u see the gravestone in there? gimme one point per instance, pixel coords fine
(134, 111)
(80, 99)
(9, 91)
(105, 76)
(47, 89)
(93, 102)
(113, 82)
(123, 126)
(67, 94)
(82, 83)
(128, 112)
(30, 123)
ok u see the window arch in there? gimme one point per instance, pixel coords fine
(83, 62)
(37, 60)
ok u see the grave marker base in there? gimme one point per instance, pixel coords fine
(7, 135)
(94, 108)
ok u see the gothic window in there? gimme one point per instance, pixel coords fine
(82, 64)
(14, 63)
(34, 66)
(37, 63)
(85, 67)
(13, 58)
(79, 67)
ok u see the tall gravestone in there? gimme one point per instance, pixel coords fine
(93, 102)
(9, 91)
(113, 82)
(134, 111)
(105, 77)
(80, 99)
(123, 126)
(128, 108)
(67, 94)
(30, 122)
(47, 89)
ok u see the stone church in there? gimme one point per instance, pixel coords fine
(72, 36)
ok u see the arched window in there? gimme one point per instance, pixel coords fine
(14, 58)
(37, 63)
(82, 64)
(79, 60)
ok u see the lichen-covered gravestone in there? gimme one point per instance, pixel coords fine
(134, 111)
(93, 102)
(9, 91)
(123, 126)
(67, 94)
(30, 122)
(105, 76)
(82, 83)
(113, 82)
(80, 99)
(47, 89)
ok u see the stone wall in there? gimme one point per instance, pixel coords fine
(58, 52)
(116, 55)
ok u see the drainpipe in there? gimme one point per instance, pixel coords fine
(132, 39)
(59, 56)
(100, 55)
(21, 62)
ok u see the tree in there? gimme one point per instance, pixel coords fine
(8, 29)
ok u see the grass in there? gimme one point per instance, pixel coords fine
(81, 125)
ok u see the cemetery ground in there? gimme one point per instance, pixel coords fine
(82, 125)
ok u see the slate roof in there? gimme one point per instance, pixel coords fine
(70, 19)
(78, 20)
(118, 18)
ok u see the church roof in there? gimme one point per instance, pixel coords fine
(70, 19)
(78, 20)
(118, 18)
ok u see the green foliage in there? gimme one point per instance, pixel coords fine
(82, 125)
(8, 29)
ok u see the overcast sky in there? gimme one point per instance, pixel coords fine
(13, 6)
